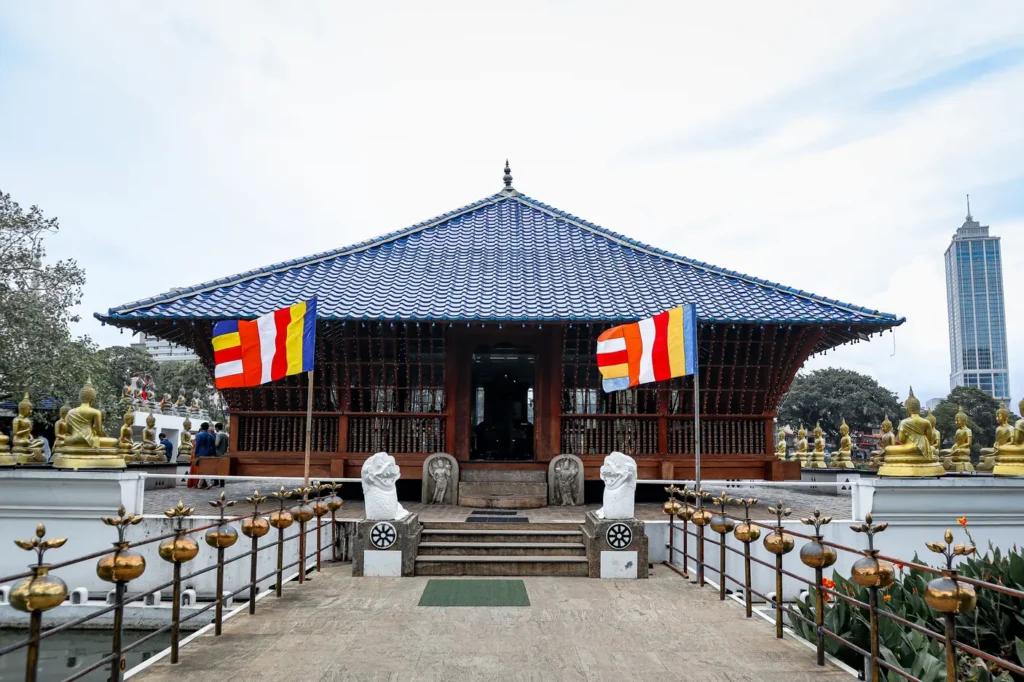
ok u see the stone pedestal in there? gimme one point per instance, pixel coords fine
(616, 548)
(386, 548)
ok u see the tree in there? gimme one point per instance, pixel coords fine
(830, 395)
(121, 361)
(36, 302)
(980, 409)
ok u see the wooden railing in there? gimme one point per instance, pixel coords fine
(720, 436)
(603, 433)
(286, 433)
(638, 434)
(397, 433)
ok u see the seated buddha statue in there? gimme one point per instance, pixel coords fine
(165, 404)
(60, 429)
(958, 457)
(780, 447)
(86, 444)
(886, 439)
(126, 445)
(1004, 435)
(799, 454)
(914, 454)
(843, 459)
(185, 446)
(816, 459)
(27, 449)
(1010, 457)
(6, 458)
(152, 451)
(180, 405)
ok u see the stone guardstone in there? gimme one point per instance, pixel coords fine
(386, 548)
(616, 548)
(431, 481)
(565, 481)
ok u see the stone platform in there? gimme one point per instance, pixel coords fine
(336, 628)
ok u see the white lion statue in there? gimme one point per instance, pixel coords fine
(381, 498)
(619, 475)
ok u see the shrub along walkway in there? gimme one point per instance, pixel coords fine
(337, 627)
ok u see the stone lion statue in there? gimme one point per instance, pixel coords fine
(619, 475)
(379, 474)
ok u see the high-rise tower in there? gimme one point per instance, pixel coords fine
(977, 318)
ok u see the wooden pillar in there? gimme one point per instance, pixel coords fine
(233, 433)
(342, 433)
(547, 395)
(663, 422)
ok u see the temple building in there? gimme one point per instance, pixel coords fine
(474, 333)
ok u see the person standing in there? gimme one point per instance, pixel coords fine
(205, 447)
(168, 446)
(220, 444)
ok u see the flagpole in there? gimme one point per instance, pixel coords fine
(696, 428)
(309, 427)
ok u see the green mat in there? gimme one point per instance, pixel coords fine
(475, 593)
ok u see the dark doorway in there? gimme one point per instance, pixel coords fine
(503, 379)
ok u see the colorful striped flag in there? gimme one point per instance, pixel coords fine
(253, 352)
(655, 349)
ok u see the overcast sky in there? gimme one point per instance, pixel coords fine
(827, 146)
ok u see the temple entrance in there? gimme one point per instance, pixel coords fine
(502, 395)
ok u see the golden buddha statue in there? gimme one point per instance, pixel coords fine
(86, 444)
(185, 445)
(914, 455)
(60, 429)
(166, 402)
(885, 440)
(126, 445)
(1004, 435)
(816, 459)
(800, 453)
(843, 459)
(780, 447)
(6, 458)
(958, 457)
(24, 447)
(152, 451)
(1010, 458)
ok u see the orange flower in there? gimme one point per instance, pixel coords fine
(900, 565)
(962, 521)
(828, 583)
(887, 598)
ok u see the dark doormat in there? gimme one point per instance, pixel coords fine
(461, 592)
(496, 519)
(494, 513)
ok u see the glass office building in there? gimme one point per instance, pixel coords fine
(977, 317)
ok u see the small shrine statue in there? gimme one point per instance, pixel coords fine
(1004, 434)
(936, 436)
(197, 403)
(179, 404)
(1010, 458)
(958, 457)
(127, 396)
(86, 444)
(816, 459)
(27, 449)
(441, 474)
(60, 429)
(843, 459)
(6, 458)
(185, 445)
(126, 445)
(566, 472)
(152, 451)
(800, 453)
(885, 440)
(780, 447)
(165, 403)
(914, 455)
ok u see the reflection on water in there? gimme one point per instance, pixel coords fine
(65, 653)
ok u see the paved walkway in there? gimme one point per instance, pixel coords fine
(337, 627)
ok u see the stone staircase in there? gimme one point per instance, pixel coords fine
(503, 488)
(552, 549)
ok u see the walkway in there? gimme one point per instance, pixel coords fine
(342, 628)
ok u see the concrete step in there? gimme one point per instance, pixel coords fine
(502, 565)
(548, 528)
(514, 536)
(503, 475)
(498, 488)
(502, 501)
(502, 549)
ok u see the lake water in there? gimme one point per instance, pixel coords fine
(65, 653)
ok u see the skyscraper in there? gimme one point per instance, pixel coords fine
(977, 318)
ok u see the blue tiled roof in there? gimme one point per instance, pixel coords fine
(506, 257)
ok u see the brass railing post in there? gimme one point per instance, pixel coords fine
(872, 573)
(746, 533)
(120, 568)
(320, 510)
(949, 597)
(722, 524)
(220, 536)
(302, 513)
(778, 543)
(701, 517)
(178, 550)
(280, 520)
(334, 503)
(39, 593)
(254, 527)
(819, 557)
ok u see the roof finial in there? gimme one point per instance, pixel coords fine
(968, 205)
(508, 176)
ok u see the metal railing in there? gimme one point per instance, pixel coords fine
(39, 590)
(948, 594)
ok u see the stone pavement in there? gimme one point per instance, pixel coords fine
(803, 502)
(337, 627)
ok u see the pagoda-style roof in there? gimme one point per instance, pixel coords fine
(507, 257)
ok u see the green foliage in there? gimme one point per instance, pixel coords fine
(831, 395)
(980, 409)
(187, 376)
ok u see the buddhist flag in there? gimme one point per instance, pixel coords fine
(655, 349)
(253, 352)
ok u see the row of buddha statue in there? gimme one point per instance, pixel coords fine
(915, 449)
(145, 398)
(80, 440)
